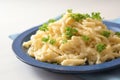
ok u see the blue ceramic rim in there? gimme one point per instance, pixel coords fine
(19, 52)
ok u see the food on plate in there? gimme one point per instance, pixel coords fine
(74, 39)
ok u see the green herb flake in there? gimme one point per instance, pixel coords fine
(52, 41)
(51, 20)
(69, 10)
(117, 33)
(105, 33)
(68, 28)
(96, 15)
(85, 38)
(86, 15)
(74, 31)
(70, 31)
(45, 39)
(64, 41)
(78, 16)
(100, 47)
(44, 27)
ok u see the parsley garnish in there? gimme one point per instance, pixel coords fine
(51, 20)
(74, 30)
(64, 41)
(70, 31)
(52, 41)
(85, 38)
(44, 27)
(69, 10)
(45, 39)
(118, 34)
(78, 16)
(100, 47)
(96, 15)
(105, 33)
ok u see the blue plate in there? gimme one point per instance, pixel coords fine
(21, 53)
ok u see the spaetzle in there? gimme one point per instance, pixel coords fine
(75, 39)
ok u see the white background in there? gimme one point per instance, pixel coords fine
(19, 15)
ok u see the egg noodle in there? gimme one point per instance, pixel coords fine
(75, 39)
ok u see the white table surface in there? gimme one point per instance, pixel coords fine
(19, 15)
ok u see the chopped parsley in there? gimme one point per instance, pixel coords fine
(105, 33)
(49, 40)
(45, 39)
(51, 20)
(74, 30)
(100, 47)
(85, 38)
(52, 41)
(79, 16)
(44, 27)
(64, 41)
(118, 34)
(69, 10)
(96, 16)
(69, 31)
(86, 15)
